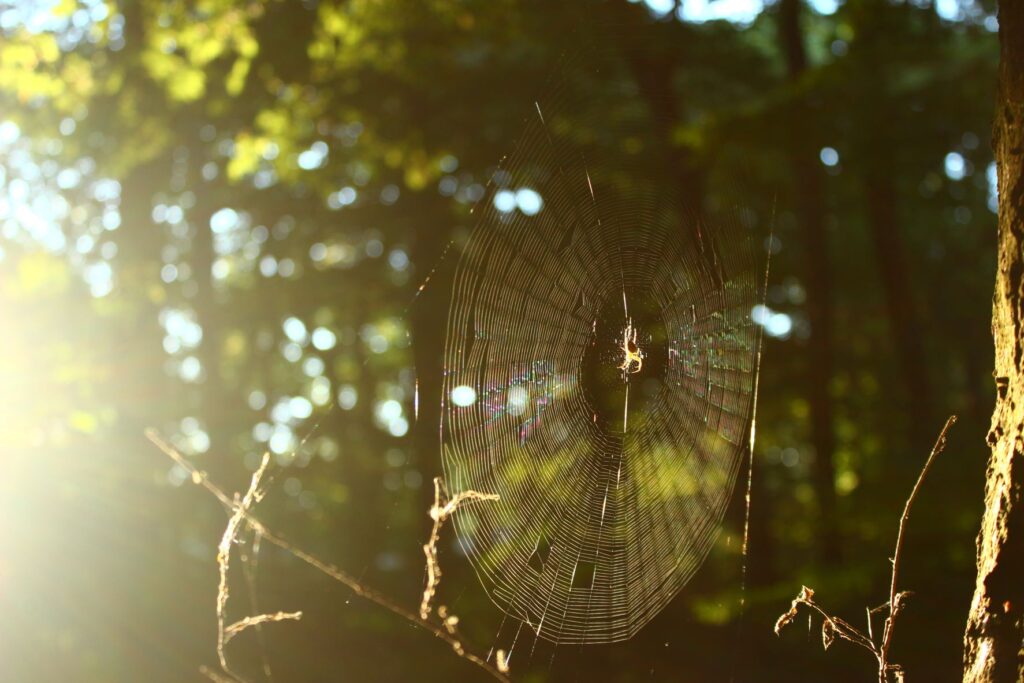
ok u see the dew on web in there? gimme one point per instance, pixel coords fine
(599, 377)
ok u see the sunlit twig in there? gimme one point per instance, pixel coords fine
(201, 479)
(833, 627)
(241, 509)
(439, 513)
(248, 622)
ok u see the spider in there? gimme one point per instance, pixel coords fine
(633, 357)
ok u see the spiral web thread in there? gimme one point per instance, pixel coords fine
(612, 479)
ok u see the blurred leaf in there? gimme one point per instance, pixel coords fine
(84, 422)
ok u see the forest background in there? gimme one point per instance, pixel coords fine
(215, 220)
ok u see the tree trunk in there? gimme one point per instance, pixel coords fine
(904, 324)
(872, 20)
(811, 215)
(994, 641)
(145, 390)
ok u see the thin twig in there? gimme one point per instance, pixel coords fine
(248, 622)
(834, 626)
(201, 479)
(439, 513)
(241, 509)
(894, 598)
(250, 566)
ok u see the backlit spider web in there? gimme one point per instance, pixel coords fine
(613, 470)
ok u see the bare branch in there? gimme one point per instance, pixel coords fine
(201, 479)
(439, 513)
(242, 507)
(894, 599)
(833, 627)
(250, 563)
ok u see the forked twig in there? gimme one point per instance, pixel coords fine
(250, 563)
(439, 513)
(833, 627)
(241, 509)
(438, 630)
(895, 598)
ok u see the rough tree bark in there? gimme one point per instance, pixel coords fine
(994, 641)
(811, 215)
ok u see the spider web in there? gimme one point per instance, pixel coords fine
(598, 376)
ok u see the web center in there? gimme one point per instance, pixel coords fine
(625, 362)
(632, 354)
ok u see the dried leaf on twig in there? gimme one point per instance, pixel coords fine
(828, 633)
